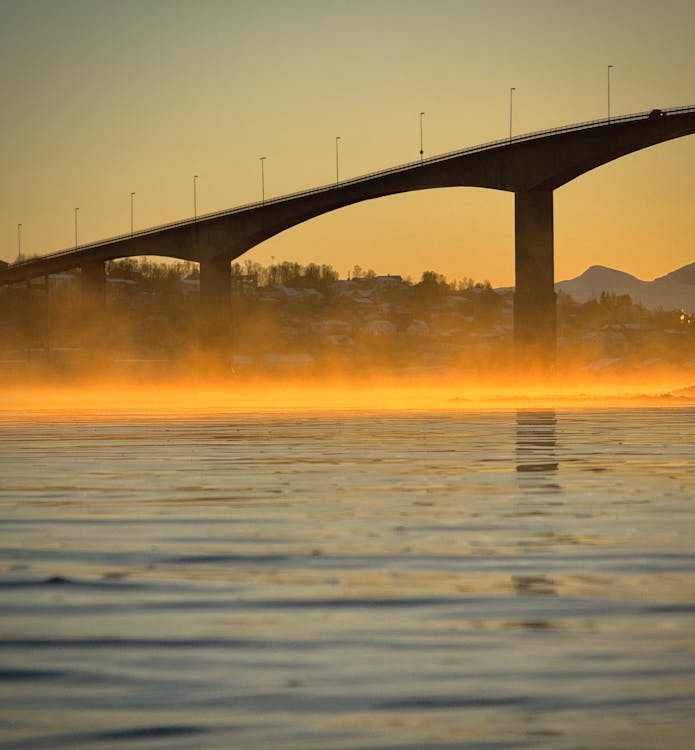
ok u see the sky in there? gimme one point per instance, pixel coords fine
(103, 98)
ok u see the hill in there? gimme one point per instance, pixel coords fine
(675, 290)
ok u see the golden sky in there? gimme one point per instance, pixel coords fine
(103, 98)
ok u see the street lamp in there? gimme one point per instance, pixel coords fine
(608, 71)
(19, 242)
(511, 109)
(262, 159)
(195, 197)
(132, 195)
(337, 180)
(421, 149)
(76, 210)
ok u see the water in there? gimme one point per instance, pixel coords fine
(496, 579)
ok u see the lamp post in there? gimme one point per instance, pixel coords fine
(195, 197)
(608, 73)
(511, 109)
(76, 210)
(19, 242)
(421, 149)
(337, 179)
(132, 195)
(262, 159)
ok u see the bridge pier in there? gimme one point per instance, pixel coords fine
(216, 307)
(93, 281)
(93, 286)
(535, 315)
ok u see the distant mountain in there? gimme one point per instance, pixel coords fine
(672, 291)
(684, 275)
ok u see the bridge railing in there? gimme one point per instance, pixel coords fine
(332, 187)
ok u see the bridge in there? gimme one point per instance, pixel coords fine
(531, 166)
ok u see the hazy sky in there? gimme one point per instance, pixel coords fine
(104, 97)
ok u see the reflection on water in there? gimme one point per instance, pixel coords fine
(536, 441)
(536, 456)
(418, 580)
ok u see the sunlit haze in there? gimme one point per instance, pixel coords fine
(103, 99)
(405, 395)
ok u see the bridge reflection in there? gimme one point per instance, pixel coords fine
(536, 443)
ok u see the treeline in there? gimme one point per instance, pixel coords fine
(152, 311)
(288, 273)
(295, 275)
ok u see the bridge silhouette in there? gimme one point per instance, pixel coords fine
(531, 166)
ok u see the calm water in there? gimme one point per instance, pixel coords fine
(383, 581)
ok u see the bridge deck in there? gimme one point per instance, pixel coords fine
(32, 265)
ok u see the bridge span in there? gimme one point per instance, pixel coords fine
(531, 166)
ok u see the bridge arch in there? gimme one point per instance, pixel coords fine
(594, 210)
(410, 232)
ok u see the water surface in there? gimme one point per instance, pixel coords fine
(500, 579)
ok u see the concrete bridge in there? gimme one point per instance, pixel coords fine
(531, 166)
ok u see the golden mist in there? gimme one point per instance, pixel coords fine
(445, 392)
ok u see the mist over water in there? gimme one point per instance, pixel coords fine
(457, 572)
(147, 322)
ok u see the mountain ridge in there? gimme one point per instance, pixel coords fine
(674, 290)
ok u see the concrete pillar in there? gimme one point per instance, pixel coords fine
(535, 316)
(215, 307)
(93, 285)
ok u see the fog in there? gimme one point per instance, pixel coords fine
(301, 337)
